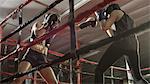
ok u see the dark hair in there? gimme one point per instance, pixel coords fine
(112, 7)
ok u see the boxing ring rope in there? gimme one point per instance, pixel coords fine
(10, 58)
(79, 51)
(6, 73)
(10, 74)
(11, 39)
(45, 5)
(87, 61)
(145, 69)
(123, 69)
(36, 1)
(15, 11)
(55, 53)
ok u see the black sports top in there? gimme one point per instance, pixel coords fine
(123, 24)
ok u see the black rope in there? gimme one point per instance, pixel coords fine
(30, 21)
(80, 51)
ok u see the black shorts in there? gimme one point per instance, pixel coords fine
(35, 58)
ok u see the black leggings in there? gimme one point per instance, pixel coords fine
(127, 46)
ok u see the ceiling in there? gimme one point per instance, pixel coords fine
(137, 9)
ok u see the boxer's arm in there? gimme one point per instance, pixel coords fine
(110, 21)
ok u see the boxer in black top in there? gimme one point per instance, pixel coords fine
(126, 46)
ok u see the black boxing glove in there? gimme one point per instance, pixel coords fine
(101, 14)
(88, 23)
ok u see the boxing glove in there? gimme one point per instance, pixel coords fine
(90, 22)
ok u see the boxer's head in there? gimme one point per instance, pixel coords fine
(112, 7)
(50, 20)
